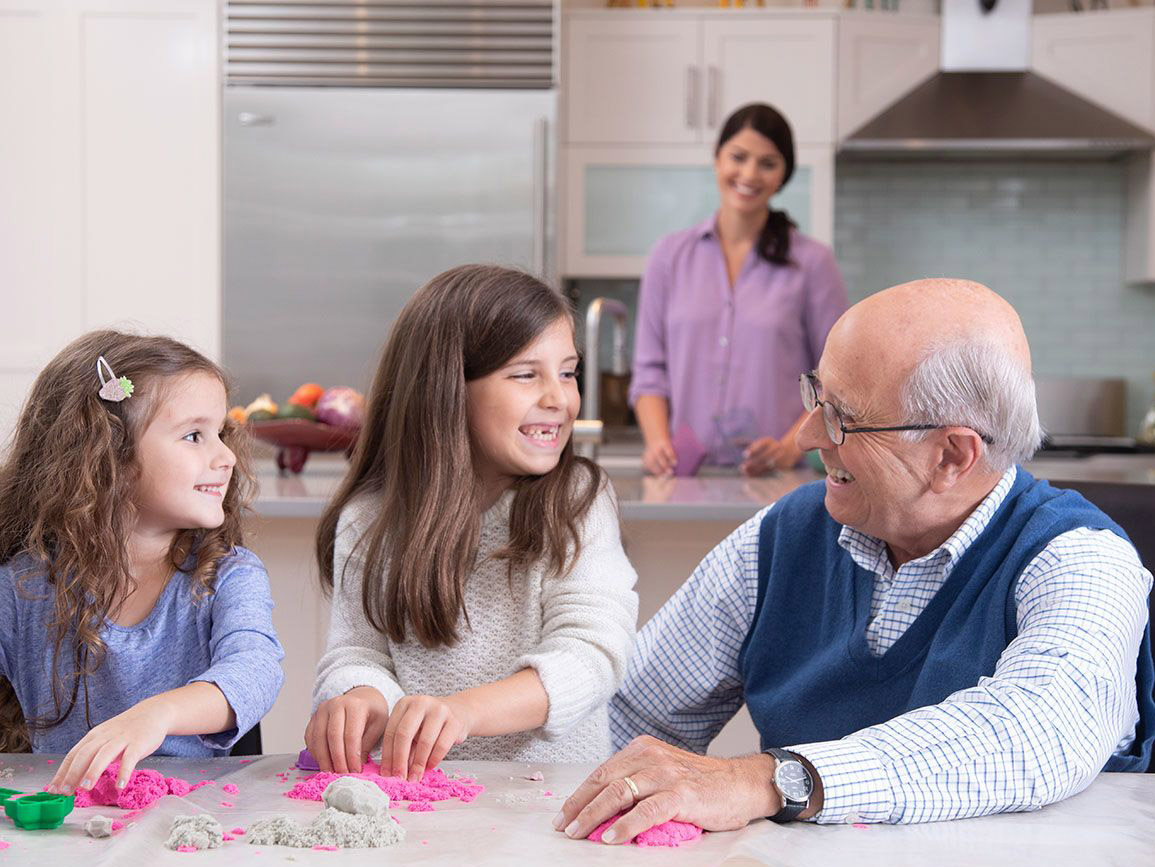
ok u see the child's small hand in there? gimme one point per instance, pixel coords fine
(343, 730)
(421, 730)
(129, 736)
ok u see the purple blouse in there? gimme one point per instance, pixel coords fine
(727, 359)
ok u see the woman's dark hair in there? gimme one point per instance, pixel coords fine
(774, 242)
(414, 457)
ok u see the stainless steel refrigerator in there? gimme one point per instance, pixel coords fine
(341, 202)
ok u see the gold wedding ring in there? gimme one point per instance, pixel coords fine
(633, 788)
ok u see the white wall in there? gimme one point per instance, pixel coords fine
(109, 176)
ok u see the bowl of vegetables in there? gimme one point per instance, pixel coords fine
(313, 419)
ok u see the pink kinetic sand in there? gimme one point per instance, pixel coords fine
(144, 787)
(420, 807)
(665, 834)
(433, 786)
(230, 789)
(326, 848)
(187, 849)
(237, 831)
(4, 845)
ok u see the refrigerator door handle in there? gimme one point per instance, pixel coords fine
(540, 191)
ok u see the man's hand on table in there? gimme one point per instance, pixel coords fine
(716, 794)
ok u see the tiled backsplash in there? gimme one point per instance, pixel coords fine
(1045, 235)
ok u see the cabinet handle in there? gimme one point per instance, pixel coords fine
(713, 95)
(249, 118)
(692, 97)
(540, 191)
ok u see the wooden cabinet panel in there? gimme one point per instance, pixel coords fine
(786, 62)
(880, 59)
(632, 80)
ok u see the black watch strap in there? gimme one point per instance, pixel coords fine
(790, 808)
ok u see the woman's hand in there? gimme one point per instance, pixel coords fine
(659, 457)
(768, 454)
(345, 729)
(421, 730)
(129, 737)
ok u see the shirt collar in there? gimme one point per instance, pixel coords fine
(708, 228)
(870, 553)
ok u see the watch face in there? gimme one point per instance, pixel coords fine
(792, 780)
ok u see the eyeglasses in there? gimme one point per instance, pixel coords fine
(836, 428)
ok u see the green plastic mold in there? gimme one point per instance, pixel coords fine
(41, 811)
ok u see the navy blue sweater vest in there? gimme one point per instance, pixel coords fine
(807, 671)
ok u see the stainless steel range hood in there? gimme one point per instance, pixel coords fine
(986, 102)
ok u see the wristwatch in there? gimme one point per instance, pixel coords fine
(793, 783)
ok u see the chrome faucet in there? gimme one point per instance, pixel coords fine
(587, 430)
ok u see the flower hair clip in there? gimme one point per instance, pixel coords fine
(112, 387)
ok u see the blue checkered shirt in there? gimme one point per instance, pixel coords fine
(1061, 700)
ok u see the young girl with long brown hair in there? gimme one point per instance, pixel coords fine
(480, 589)
(131, 621)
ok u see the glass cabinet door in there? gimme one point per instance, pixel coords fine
(619, 204)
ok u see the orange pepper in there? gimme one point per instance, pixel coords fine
(307, 395)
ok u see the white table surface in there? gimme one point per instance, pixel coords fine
(1112, 822)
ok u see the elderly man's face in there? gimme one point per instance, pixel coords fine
(875, 479)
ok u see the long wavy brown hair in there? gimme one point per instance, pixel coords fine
(414, 457)
(67, 487)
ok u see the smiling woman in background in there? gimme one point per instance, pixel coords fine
(730, 312)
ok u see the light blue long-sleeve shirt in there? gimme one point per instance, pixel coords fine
(1064, 689)
(226, 639)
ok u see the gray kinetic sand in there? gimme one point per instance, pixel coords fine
(200, 832)
(98, 826)
(360, 797)
(354, 818)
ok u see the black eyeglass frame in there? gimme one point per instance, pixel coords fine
(811, 402)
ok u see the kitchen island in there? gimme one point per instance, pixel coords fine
(668, 526)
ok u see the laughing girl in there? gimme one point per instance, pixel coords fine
(483, 607)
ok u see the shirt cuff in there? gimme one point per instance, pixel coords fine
(855, 787)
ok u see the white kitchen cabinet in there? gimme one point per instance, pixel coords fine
(670, 78)
(620, 200)
(881, 58)
(110, 171)
(787, 62)
(644, 94)
(633, 79)
(1109, 58)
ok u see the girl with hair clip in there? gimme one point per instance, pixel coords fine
(131, 621)
(480, 589)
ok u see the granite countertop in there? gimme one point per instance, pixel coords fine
(717, 496)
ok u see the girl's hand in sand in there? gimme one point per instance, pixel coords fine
(344, 730)
(421, 730)
(129, 737)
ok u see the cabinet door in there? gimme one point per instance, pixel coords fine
(880, 59)
(787, 62)
(620, 201)
(632, 80)
(109, 175)
(1108, 59)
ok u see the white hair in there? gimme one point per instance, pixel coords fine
(980, 384)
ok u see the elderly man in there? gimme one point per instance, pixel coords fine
(930, 634)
